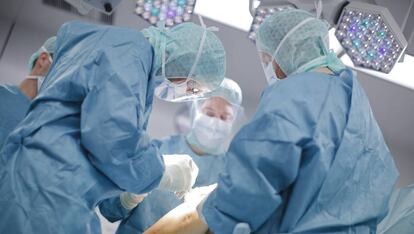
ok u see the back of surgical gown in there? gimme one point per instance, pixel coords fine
(84, 138)
(312, 160)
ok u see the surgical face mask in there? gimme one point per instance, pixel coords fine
(210, 133)
(270, 74)
(50, 60)
(267, 65)
(49, 55)
(39, 79)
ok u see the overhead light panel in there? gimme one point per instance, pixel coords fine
(370, 36)
(261, 13)
(171, 11)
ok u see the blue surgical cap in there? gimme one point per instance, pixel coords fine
(228, 90)
(49, 47)
(297, 41)
(183, 55)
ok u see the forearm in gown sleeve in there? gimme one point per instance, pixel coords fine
(113, 210)
(263, 160)
(111, 132)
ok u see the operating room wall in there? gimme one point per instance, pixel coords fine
(4, 28)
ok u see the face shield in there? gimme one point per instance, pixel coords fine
(182, 89)
(213, 123)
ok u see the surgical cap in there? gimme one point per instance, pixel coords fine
(229, 90)
(297, 41)
(49, 47)
(182, 49)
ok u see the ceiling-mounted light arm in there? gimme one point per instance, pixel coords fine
(85, 6)
(252, 9)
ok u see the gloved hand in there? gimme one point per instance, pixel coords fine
(180, 174)
(198, 196)
(130, 200)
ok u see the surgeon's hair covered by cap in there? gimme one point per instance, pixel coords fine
(228, 90)
(300, 47)
(182, 48)
(49, 46)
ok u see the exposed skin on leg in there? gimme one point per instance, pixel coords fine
(183, 219)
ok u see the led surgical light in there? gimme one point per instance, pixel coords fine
(367, 33)
(261, 13)
(171, 11)
(370, 36)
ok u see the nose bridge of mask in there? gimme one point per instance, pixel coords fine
(49, 56)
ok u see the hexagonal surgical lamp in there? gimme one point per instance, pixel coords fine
(370, 36)
(171, 11)
(367, 32)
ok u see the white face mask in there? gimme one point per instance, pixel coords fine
(270, 74)
(211, 132)
(50, 60)
(39, 79)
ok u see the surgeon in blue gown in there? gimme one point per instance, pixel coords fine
(13, 107)
(213, 120)
(312, 159)
(15, 100)
(84, 138)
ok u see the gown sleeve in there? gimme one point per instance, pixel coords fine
(263, 160)
(112, 120)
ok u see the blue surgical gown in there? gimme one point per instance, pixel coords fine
(400, 218)
(84, 138)
(312, 160)
(13, 107)
(158, 203)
